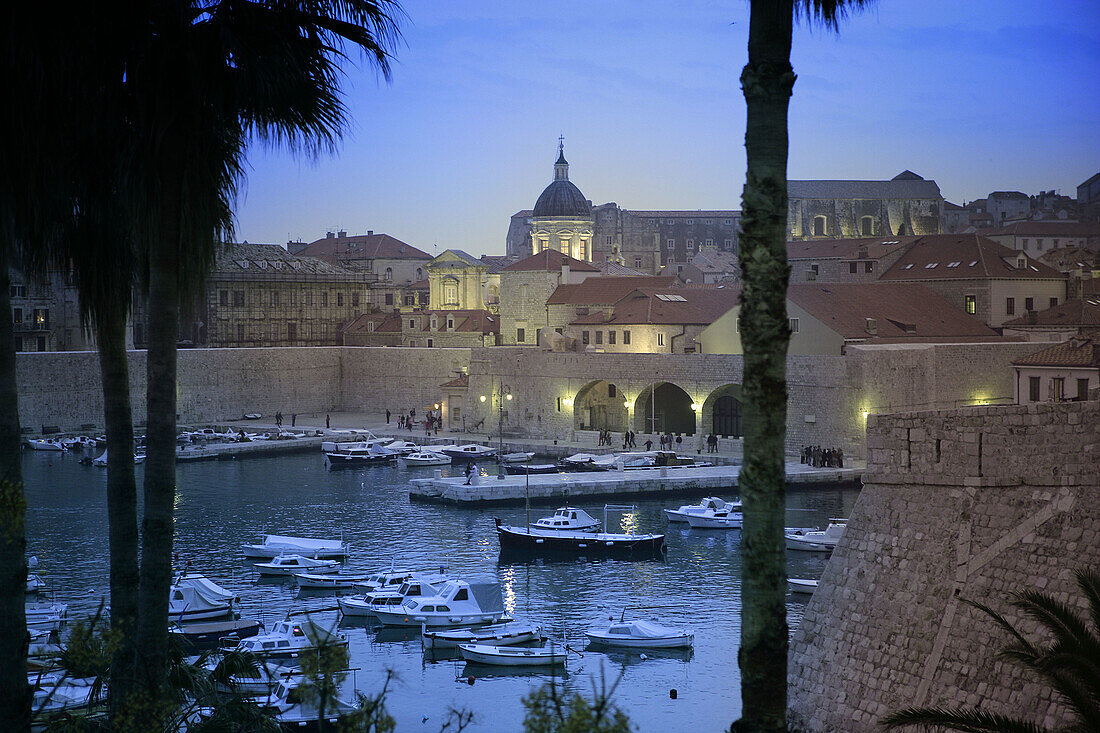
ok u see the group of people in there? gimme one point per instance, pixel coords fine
(712, 443)
(293, 419)
(431, 423)
(818, 457)
(668, 440)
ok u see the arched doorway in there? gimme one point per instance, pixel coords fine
(722, 412)
(599, 406)
(664, 408)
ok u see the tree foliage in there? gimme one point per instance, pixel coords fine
(552, 710)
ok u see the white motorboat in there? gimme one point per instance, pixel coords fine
(817, 540)
(391, 579)
(425, 458)
(589, 462)
(641, 635)
(716, 519)
(568, 519)
(352, 454)
(457, 603)
(78, 442)
(801, 585)
(57, 692)
(532, 538)
(712, 503)
(402, 447)
(291, 564)
(371, 442)
(295, 709)
(46, 616)
(513, 656)
(469, 452)
(35, 584)
(289, 639)
(518, 457)
(275, 545)
(427, 584)
(336, 581)
(194, 597)
(252, 416)
(48, 444)
(506, 634)
(101, 461)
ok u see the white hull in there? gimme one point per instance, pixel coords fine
(701, 521)
(201, 614)
(313, 580)
(438, 460)
(671, 642)
(509, 656)
(801, 585)
(291, 570)
(499, 635)
(355, 607)
(436, 620)
(46, 445)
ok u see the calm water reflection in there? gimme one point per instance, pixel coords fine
(222, 504)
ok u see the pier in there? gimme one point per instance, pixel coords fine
(605, 485)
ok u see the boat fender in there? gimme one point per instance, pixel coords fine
(672, 694)
(470, 680)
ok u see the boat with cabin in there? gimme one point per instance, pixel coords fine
(532, 538)
(817, 540)
(568, 519)
(275, 545)
(712, 503)
(638, 634)
(193, 597)
(717, 519)
(425, 458)
(456, 603)
(290, 639)
(468, 452)
(290, 564)
(391, 597)
(295, 709)
(517, 457)
(46, 444)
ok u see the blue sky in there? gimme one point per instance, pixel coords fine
(979, 96)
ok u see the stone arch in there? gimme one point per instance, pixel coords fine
(599, 406)
(664, 407)
(721, 413)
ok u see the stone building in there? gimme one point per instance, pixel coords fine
(569, 302)
(562, 217)
(706, 268)
(430, 329)
(980, 276)
(844, 260)
(1065, 371)
(905, 205)
(1080, 266)
(829, 318)
(1088, 199)
(1039, 237)
(261, 295)
(459, 281)
(1006, 206)
(527, 285)
(45, 313)
(1077, 317)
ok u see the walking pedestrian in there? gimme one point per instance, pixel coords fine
(471, 468)
(387, 417)
(326, 422)
(649, 444)
(293, 418)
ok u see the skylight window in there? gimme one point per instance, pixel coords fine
(954, 264)
(1033, 267)
(908, 267)
(931, 265)
(972, 263)
(671, 298)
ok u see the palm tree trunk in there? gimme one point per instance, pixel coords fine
(121, 498)
(160, 464)
(767, 81)
(15, 693)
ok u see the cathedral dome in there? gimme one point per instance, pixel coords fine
(562, 197)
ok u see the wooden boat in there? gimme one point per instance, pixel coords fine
(506, 634)
(513, 656)
(801, 585)
(215, 633)
(275, 545)
(817, 540)
(532, 469)
(554, 540)
(333, 581)
(640, 635)
(292, 564)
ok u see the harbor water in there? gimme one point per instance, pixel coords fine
(222, 504)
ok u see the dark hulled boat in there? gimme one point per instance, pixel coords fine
(532, 539)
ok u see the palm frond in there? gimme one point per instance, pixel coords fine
(828, 13)
(1088, 580)
(1058, 618)
(1001, 621)
(959, 719)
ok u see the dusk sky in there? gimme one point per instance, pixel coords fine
(980, 96)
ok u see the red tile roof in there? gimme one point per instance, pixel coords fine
(382, 323)
(1065, 259)
(466, 321)
(964, 257)
(1081, 313)
(605, 290)
(549, 260)
(1047, 229)
(901, 311)
(362, 246)
(846, 249)
(1077, 352)
(668, 306)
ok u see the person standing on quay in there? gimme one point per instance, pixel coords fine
(326, 422)
(387, 417)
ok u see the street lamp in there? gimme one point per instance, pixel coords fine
(502, 395)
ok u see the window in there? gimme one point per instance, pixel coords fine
(238, 298)
(611, 337)
(339, 300)
(819, 226)
(389, 274)
(41, 343)
(793, 323)
(867, 226)
(669, 221)
(274, 331)
(17, 315)
(626, 338)
(324, 299)
(41, 319)
(607, 240)
(727, 222)
(971, 304)
(521, 335)
(1053, 302)
(710, 242)
(709, 222)
(450, 293)
(1058, 388)
(691, 221)
(660, 339)
(852, 267)
(430, 343)
(409, 300)
(729, 243)
(637, 261)
(612, 392)
(1010, 306)
(450, 323)
(389, 299)
(599, 337)
(691, 244)
(1054, 244)
(309, 298)
(292, 332)
(584, 337)
(18, 291)
(931, 266)
(1029, 304)
(223, 297)
(355, 300)
(1082, 389)
(815, 268)
(669, 244)
(412, 323)
(908, 266)
(1025, 244)
(240, 332)
(274, 297)
(1038, 244)
(1033, 389)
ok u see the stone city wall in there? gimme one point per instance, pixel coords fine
(970, 504)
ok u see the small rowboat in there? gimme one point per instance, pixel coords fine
(640, 635)
(515, 632)
(801, 585)
(520, 457)
(513, 656)
(339, 580)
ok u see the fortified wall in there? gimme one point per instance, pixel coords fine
(970, 504)
(554, 394)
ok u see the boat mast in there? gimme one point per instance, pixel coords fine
(527, 496)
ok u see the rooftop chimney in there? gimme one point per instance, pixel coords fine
(872, 326)
(330, 235)
(341, 234)
(564, 274)
(370, 232)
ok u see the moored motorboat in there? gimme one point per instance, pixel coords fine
(289, 639)
(530, 469)
(35, 584)
(457, 603)
(334, 581)
(801, 585)
(46, 616)
(531, 538)
(275, 545)
(391, 579)
(46, 444)
(514, 656)
(427, 584)
(358, 456)
(640, 634)
(588, 462)
(194, 597)
(711, 502)
(506, 634)
(716, 519)
(817, 540)
(215, 633)
(101, 460)
(291, 564)
(294, 709)
(568, 519)
(518, 457)
(469, 452)
(425, 458)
